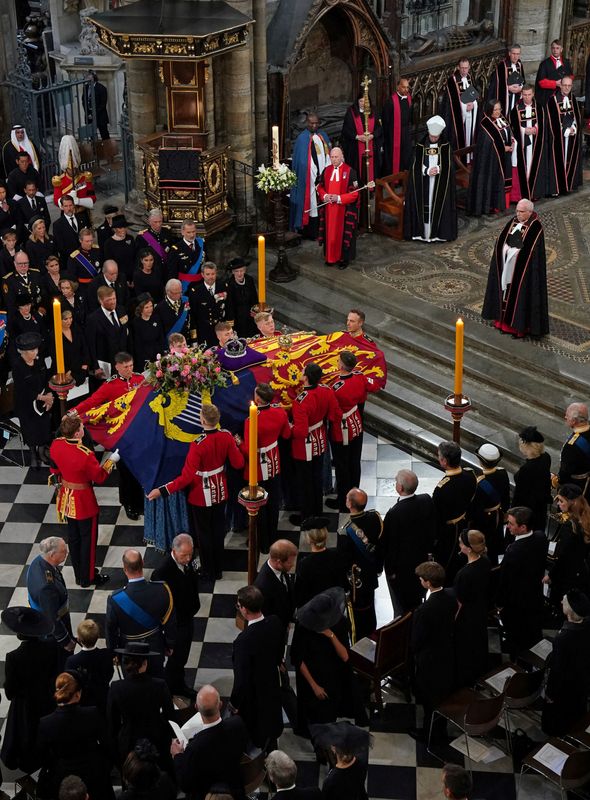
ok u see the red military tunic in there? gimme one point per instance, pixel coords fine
(82, 185)
(311, 407)
(77, 469)
(204, 468)
(350, 391)
(273, 423)
(109, 391)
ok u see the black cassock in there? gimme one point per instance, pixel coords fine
(520, 306)
(353, 125)
(532, 180)
(549, 72)
(565, 156)
(491, 175)
(431, 212)
(506, 74)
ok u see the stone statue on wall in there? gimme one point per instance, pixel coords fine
(89, 44)
(456, 37)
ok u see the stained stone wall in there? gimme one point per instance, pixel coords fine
(536, 24)
(8, 59)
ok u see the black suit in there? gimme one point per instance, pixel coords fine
(568, 681)
(97, 667)
(25, 211)
(432, 645)
(299, 794)
(520, 591)
(66, 238)
(184, 585)
(213, 757)
(278, 598)
(16, 180)
(104, 338)
(257, 654)
(207, 310)
(92, 288)
(408, 537)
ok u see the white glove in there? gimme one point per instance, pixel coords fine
(114, 456)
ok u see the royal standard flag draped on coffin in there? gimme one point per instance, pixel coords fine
(153, 431)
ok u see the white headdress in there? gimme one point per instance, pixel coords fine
(26, 145)
(69, 145)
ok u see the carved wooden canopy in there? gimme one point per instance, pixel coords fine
(172, 29)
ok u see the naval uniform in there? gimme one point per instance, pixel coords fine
(574, 466)
(48, 594)
(209, 305)
(205, 477)
(452, 497)
(273, 424)
(358, 541)
(308, 444)
(76, 468)
(181, 257)
(346, 439)
(159, 244)
(142, 612)
(130, 491)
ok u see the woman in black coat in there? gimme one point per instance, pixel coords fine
(139, 707)
(570, 568)
(32, 398)
(568, 683)
(76, 355)
(322, 568)
(532, 482)
(50, 287)
(490, 182)
(472, 589)
(72, 741)
(39, 246)
(146, 277)
(29, 682)
(73, 300)
(148, 334)
(142, 776)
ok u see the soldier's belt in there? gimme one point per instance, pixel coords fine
(494, 508)
(210, 472)
(315, 427)
(456, 520)
(350, 411)
(268, 447)
(69, 485)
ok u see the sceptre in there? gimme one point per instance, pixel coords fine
(367, 113)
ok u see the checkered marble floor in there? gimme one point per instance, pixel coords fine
(399, 767)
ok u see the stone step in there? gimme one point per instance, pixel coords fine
(420, 355)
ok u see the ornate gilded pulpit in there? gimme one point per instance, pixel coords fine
(183, 176)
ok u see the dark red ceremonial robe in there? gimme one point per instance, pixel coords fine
(338, 220)
(397, 134)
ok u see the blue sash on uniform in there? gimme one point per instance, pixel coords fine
(34, 605)
(181, 321)
(194, 269)
(583, 444)
(366, 551)
(90, 268)
(137, 613)
(489, 488)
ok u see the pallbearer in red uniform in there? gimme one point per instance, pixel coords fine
(350, 391)
(273, 424)
(130, 491)
(338, 219)
(75, 468)
(312, 406)
(204, 475)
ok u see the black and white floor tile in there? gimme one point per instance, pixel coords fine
(400, 769)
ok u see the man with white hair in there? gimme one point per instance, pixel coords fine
(179, 571)
(157, 237)
(48, 593)
(431, 211)
(282, 771)
(516, 293)
(460, 107)
(71, 181)
(174, 310)
(19, 142)
(565, 122)
(574, 465)
(337, 190)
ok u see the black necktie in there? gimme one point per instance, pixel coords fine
(73, 223)
(33, 204)
(114, 319)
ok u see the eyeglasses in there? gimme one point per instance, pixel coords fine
(21, 263)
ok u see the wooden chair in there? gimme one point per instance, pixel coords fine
(574, 774)
(473, 713)
(462, 174)
(389, 659)
(389, 203)
(253, 771)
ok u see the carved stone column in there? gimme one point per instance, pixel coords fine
(260, 81)
(238, 94)
(141, 87)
